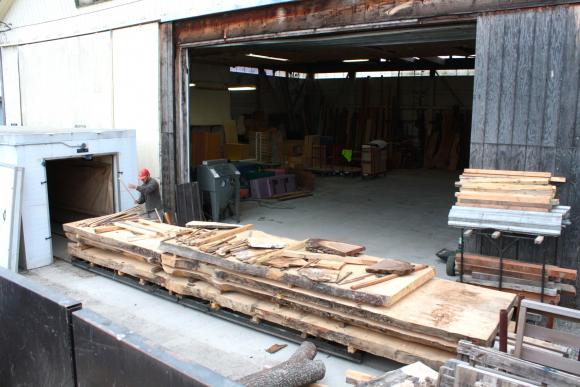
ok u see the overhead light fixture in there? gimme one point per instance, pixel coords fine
(267, 57)
(354, 60)
(192, 84)
(383, 60)
(242, 88)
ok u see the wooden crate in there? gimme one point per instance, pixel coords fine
(373, 160)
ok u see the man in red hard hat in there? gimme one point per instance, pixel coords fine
(148, 194)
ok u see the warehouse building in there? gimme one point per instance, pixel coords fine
(318, 80)
(299, 86)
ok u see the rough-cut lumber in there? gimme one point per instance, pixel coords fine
(234, 283)
(375, 296)
(300, 369)
(117, 239)
(518, 266)
(515, 199)
(391, 266)
(209, 225)
(509, 285)
(391, 347)
(514, 280)
(495, 172)
(126, 265)
(375, 281)
(356, 337)
(224, 234)
(446, 311)
(468, 267)
(355, 377)
(333, 247)
(362, 260)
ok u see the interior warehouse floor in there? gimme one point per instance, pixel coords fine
(403, 215)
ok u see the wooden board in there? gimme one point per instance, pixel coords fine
(333, 247)
(446, 311)
(391, 266)
(510, 264)
(356, 338)
(496, 172)
(387, 293)
(231, 281)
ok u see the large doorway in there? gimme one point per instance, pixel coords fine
(316, 103)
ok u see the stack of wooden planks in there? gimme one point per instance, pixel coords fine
(513, 201)
(406, 316)
(511, 190)
(518, 277)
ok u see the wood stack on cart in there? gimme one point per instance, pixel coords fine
(511, 190)
(522, 278)
(510, 201)
(390, 308)
(521, 205)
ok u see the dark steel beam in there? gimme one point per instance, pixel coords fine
(335, 67)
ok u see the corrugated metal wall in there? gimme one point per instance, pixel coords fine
(526, 113)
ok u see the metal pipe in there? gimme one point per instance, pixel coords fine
(503, 330)
(461, 250)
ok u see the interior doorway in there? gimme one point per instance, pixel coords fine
(78, 188)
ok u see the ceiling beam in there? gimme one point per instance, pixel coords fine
(390, 65)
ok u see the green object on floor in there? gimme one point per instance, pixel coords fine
(347, 154)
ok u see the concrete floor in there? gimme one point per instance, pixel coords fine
(403, 215)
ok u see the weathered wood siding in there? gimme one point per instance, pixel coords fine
(526, 112)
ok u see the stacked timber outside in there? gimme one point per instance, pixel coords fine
(407, 318)
(522, 205)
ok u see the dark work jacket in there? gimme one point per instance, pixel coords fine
(149, 194)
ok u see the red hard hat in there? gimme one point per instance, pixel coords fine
(143, 173)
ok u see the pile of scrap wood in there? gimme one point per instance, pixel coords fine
(509, 201)
(518, 277)
(488, 367)
(390, 308)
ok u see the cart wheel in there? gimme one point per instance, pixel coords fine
(450, 268)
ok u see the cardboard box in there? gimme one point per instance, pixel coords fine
(237, 151)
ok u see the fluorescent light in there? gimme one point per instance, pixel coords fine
(383, 60)
(267, 57)
(192, 84)
(355, 60)
(241, 88)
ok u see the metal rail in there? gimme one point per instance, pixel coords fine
(225, 314)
